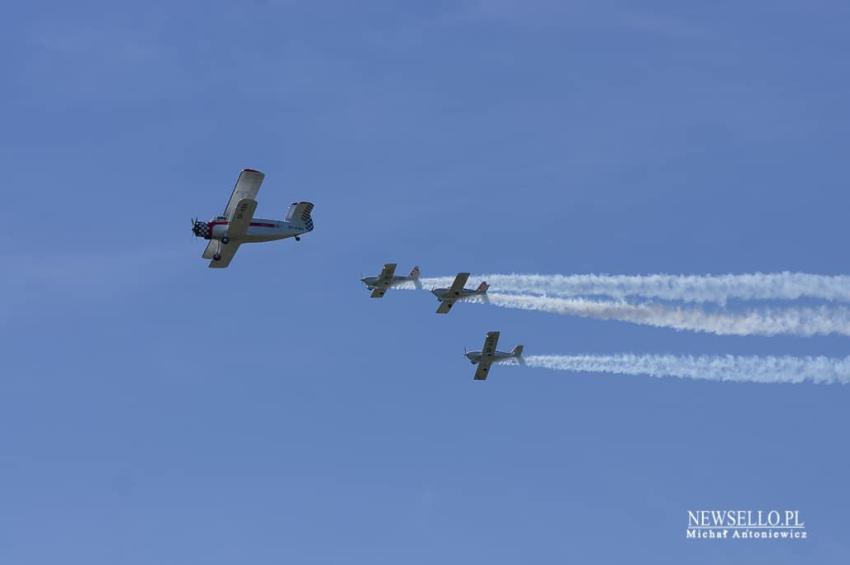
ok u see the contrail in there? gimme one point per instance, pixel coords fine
(822, 370)
(717, 289)
(801, 321)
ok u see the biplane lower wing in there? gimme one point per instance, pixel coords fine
(225, 255)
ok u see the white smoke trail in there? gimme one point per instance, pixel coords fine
(718, 289)
(801, 321)
(822, 370)
(569, 295)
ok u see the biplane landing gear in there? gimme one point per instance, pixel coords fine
(225, 240)
(297, 238)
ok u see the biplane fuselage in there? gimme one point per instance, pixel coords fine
(237, 225)
(258, 231)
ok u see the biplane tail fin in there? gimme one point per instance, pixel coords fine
(299, 215)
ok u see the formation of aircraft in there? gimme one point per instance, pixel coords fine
(237, 224)
(448, 296)
(489, 355)
(388, 279)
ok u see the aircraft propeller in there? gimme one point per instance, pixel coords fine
(199, 228)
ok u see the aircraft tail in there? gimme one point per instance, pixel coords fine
(299, 215)
(414, 274)
(482, 288)
(518, 351)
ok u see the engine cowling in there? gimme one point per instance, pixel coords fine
(201, 229)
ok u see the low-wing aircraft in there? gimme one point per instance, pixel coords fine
(448, 296)
(488, 355)
(388, 279)
(237, 225)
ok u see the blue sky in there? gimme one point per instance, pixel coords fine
(154, 411)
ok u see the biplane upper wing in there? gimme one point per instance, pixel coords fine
(247, 186)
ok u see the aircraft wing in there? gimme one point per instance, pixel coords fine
(445, 306)
(243, 213)
(212, 249)
(459, 283)
(226, 252)
(247, 186)
(378, 293)
(386, 276)
(490, 343)
(483, 370)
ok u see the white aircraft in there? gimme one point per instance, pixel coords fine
(388, 279)
(237, 225)
(488, 355)
(448, 296)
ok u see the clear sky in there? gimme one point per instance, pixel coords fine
(155, 411)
